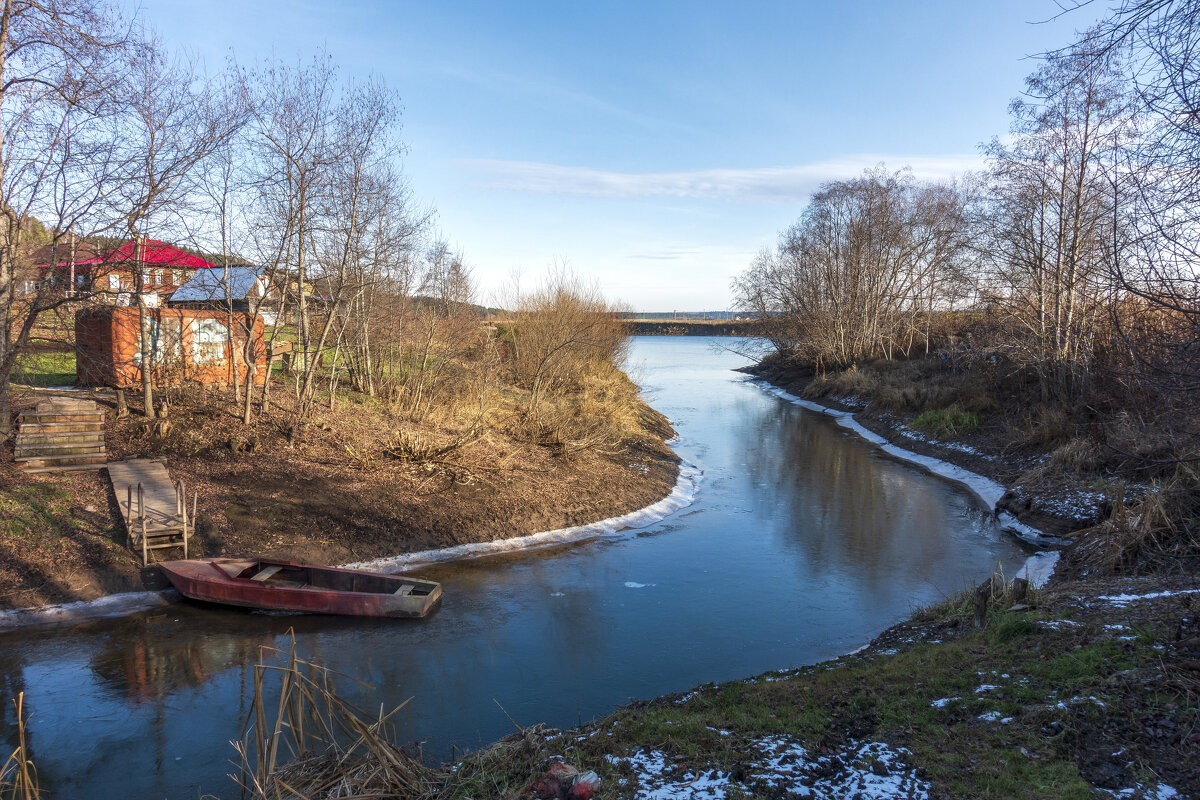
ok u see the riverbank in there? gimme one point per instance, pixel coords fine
(1054, 508)
(338, 493)
(1078, 690)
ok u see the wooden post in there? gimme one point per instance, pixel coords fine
(1020, 590)
(983, 594)
(129, 514)
(142, 514)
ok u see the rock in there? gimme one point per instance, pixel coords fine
(879, 768)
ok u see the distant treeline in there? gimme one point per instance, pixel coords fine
(687, 315)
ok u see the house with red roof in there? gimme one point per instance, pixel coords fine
(109, 271)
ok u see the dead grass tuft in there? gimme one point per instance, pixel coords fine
(18, 775)
(1161, 532)
(317, 744)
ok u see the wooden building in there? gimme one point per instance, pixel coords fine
(108, 271)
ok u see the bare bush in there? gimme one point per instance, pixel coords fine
(560, 334)
(863, 270)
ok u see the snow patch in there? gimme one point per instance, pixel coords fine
(1058, 624)
(635, 585)
(1157, 792)
(681, 496)
(942, 702)
(871, 771)
(1126, 599)
(113, 605)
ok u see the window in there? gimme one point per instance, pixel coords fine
(164, 336)
(208, 340)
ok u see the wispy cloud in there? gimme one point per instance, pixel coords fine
(665, 254)
(767, 184)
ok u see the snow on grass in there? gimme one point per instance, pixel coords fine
(917, 436)
(1057, 624)
(657, 781)
(1159, 791)
(942, 702)
(871, 771)
(1126, 599)
(987, 687)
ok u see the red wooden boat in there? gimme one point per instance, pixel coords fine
(290, 586)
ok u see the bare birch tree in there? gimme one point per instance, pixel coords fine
(174, 120)
(1058, 197)
(57, 60)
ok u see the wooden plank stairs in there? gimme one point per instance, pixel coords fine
(153, 508)
(61, 435)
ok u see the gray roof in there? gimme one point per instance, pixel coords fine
(209, 284)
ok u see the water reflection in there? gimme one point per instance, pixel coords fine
(802, 543)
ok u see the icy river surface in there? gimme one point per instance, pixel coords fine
(802, 542)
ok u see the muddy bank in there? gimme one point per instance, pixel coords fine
(330, 496)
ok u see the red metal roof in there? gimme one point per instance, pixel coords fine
(156, 252)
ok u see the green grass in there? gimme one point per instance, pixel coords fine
(887, 698)
(34, 511)
(46, 369)
(947, 422)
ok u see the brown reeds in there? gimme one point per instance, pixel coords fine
(1161, 532)
(316, 744)
(18, 776)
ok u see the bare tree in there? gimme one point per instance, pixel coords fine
(560, 332)
(173, 121)
(56, 65)
(1057, 198)
(861, 272)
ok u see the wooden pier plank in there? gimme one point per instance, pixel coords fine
(165, 525)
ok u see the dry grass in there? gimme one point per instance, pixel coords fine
(18, 775)
(1161, 532)
(318, 745)
(915, 386)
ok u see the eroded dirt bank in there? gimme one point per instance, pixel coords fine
(331, 495)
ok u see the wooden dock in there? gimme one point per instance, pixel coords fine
(153, 508)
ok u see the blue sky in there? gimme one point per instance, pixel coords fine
(652, 146)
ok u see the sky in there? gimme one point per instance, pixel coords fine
(652, 147)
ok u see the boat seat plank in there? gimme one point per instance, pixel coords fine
(266, 572)
(404, 590)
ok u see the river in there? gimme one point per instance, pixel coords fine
(803, 543)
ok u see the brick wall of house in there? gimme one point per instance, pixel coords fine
(191, 346)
